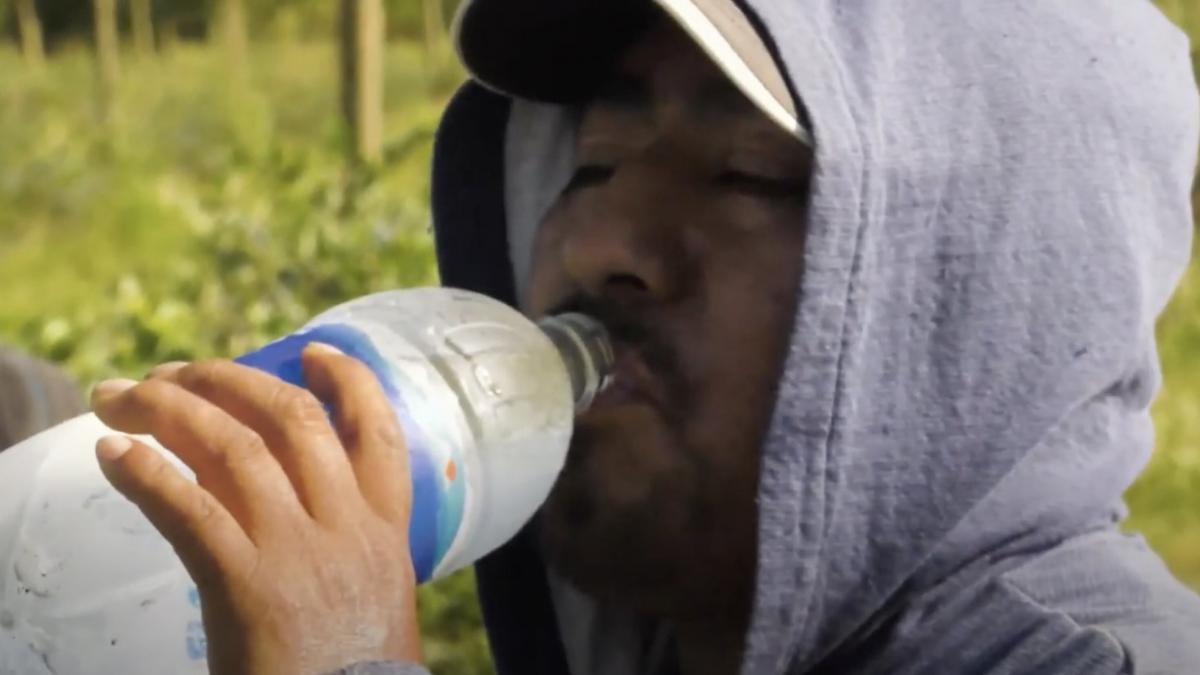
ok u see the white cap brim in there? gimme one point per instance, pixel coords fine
(501, 49)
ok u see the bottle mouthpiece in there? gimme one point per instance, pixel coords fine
(586, 349)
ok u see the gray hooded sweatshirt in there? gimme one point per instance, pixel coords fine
(999, 210)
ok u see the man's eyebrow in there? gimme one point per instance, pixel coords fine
(722, 98)
(717, 98)
(623, 91)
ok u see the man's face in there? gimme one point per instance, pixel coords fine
(682, 230)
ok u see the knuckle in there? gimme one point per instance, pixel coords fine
(234, 450)
(297, 405)
(155, 468)
(148, 396)
(204, 509)
(386, 433)
(202, 376)
(214, 576)
(376, 433)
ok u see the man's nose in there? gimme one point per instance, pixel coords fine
(630, 248)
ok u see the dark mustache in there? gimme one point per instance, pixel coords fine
(633, 331)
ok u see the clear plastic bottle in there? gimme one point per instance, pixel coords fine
(486, 399)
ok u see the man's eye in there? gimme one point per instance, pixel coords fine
(761, 186)
(589, 175)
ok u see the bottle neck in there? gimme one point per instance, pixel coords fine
(586, 350)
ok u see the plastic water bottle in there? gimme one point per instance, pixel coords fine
(486, 398)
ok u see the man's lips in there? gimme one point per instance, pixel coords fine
(631, 383)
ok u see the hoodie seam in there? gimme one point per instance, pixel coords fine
(844, 340)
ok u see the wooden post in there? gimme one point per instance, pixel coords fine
(141, 21)
(1178, 11)
(233, 31)
(435, 26)
(168, 34)
(362, 39)
(30, 28)
(108, 59)
(1186, 16)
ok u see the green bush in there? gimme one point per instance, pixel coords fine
(202, 218)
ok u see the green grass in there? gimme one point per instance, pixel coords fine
(200, 214)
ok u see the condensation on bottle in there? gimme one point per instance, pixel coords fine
(485, 396)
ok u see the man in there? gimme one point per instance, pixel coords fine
(884, 279)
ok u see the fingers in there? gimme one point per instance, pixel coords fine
(230, 460)
(367, 425)
(290, 420)
(207, 538)
(164, 369)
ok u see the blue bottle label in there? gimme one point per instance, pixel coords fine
(438, 474)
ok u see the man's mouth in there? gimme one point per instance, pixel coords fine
(631, 383)
(644, 369)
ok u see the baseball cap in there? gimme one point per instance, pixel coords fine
(557, 50)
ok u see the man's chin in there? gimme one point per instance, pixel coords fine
(599, 527)
(603, 568)
(609, 550)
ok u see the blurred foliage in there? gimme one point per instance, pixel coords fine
(66, 21)
(205, 215)
(218, 215)
(201, 214)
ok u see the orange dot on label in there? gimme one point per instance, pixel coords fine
(451, 470)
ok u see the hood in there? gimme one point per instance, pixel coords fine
(999, 211)
(34, 395)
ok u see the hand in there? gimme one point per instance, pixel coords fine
(296, 534)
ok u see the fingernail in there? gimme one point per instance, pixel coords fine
(167, 368)
(112, 387)
(111, 448)
(324, 348)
